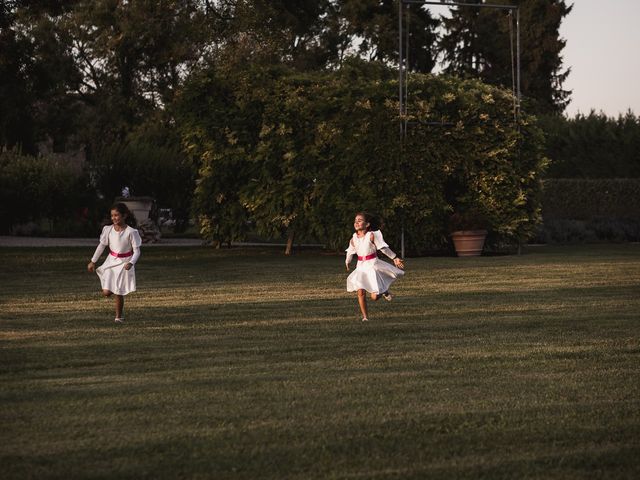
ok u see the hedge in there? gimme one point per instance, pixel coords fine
(585, 199)
(590, 210)
(36, 188)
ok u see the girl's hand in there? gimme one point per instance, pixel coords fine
(128, 266)
(91, 267)
(398, 262)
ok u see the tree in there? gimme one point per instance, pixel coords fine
(36, 73)
(375, 25)
(476, 43)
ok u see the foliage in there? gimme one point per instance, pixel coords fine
(471, 219)
(597, 229)
(583, 199)
(87, 72)
(33, 188)
(476, 43)
(36, 73)
(375, 24)
(150, 163)
(590, 210)
(593, 146)
(305, 152)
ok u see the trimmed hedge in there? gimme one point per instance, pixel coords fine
(592, 146)
(586, 199)
(590, 210)
(36, 188)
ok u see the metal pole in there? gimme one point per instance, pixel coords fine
(401, 97)
(406, 66)
(401, 66)
(518, 94)
(462, 4)
(401, 74)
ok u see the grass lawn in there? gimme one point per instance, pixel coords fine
(247, 364)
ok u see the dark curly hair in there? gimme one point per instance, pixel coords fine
(129, 217)
(374, 222)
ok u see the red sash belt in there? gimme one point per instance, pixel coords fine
(120, 255)
(368, 257)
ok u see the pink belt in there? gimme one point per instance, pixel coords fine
(368, 257)
(120, 255)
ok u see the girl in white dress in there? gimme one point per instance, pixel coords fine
(371, 274)
(117, 274)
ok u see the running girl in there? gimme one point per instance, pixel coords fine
(371, 274)
(117, 274)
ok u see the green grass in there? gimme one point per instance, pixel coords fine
(247, 364)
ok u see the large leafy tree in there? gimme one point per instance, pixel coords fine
(133, 56)
(36, 73)
(103, 64)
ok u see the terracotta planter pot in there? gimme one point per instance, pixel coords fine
(469, 243)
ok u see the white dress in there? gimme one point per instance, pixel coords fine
(124, 247)
(371, 274)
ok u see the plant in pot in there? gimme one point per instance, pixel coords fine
(468, 231)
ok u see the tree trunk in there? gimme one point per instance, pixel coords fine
(289, 249)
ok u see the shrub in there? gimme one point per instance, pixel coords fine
(35, 188)
(302, 153)
(588, 210)
(593, 145)
(588, 198)
(148, 169)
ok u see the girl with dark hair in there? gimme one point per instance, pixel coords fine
(371, 274)
(117, 274)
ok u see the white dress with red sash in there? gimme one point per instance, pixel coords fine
(124, 247)
(372, 274)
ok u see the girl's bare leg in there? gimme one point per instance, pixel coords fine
(106, 293)
(375, 296)
(119, 305)
(362, 301)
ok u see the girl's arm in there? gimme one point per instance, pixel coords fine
(348, 259)
(135, 256)
(397, 261)
(96, 255)
(136, 241)
(381, 245)
(103, 242)
(351, 251)
(388, 252)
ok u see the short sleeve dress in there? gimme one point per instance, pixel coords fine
(124, 247)
(372, 274)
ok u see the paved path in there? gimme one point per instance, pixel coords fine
(12, 241)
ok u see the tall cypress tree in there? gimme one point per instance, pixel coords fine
(375, 24)
(477, 43)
